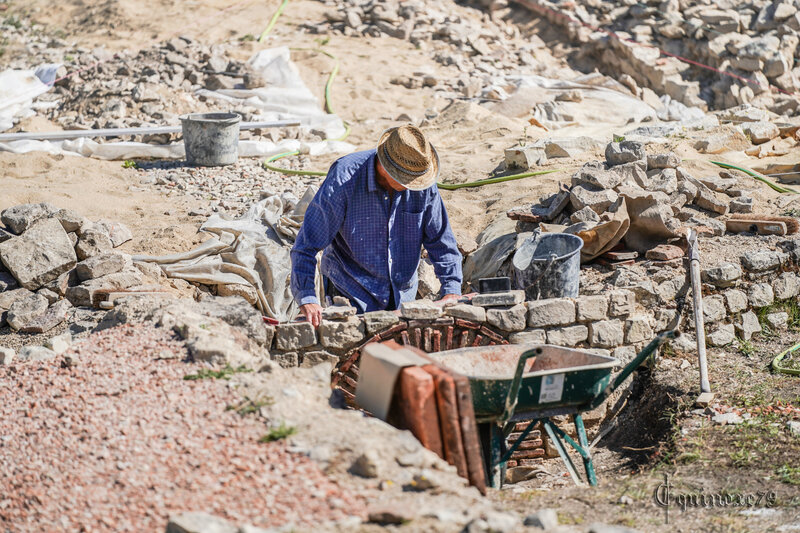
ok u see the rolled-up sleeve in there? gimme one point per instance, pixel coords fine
(321, 223)
(440, 242)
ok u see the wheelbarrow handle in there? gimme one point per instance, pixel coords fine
(513, 390)
(640, 358)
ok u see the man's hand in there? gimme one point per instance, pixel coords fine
(448, 298)
(313, 313)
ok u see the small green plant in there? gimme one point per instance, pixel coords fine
(619, 138)
(69, 57)
(248, 406)
(129, 164)
(742, 457)
(210, 373)
(322, 42)
(746, 348)
(278, 433)
(789, 474)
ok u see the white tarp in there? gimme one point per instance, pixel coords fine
(250, 250)
(285, 97)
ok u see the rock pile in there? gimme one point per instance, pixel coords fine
(637, 198)
(52, 259)
(754, 40)
(453, 35)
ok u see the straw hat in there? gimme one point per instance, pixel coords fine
(408, 157)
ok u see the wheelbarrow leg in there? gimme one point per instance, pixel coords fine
(562, 451)
(587, 458)
(497, 445)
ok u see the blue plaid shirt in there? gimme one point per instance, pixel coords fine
(372, 240)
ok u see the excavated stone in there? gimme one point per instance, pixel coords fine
(420, 310)
(735, 300)
(341, 334)
(52, 297)
(638, 329)
(7, 355)
(568, 336)
(467, 312)
(622, 302)
(531, 336)
(631, 173)
(295, 336)
(93, 242)
(84, 293)
(69, 219)
(777, 320)
(39, 255)
(592, 307)
(722, 336)
(7, 281)
(551, 312)
(507, 318)
(35, 353)
(661, 180)
(625, 354)
(748, 325)
(708, 200)
(318, 357)
(117, 232)
(599, 200)
(668, 160)
(338, 312)
(377, 321)
(743, 204)
(52, 317)
(102, 265)
(786, 285)
(594, 175)
(625, 152)
(761, 132)
(665, 319)
(664, 252)
(606, 333)
(722, 275)
(26, 309)
(21, 217)
(245, 291)
(5, 235)
(60, 343)
(499, 299)
(762, 260)
(760, 295)
(587, 214)
(713, 308)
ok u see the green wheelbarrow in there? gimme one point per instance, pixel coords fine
(535, 382)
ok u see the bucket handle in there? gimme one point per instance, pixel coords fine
(550, 263)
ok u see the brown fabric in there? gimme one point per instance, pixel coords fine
(408, 157)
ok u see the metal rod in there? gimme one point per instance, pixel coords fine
(118, 132)
(697, 301)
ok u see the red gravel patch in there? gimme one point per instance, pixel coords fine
(121, 441)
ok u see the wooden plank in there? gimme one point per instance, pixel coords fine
(762, 227)
(447, 403)
(469, 434)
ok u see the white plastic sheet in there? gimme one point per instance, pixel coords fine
(285, 97)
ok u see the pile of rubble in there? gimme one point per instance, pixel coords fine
(757, 41)
(53, 259)
(453, 35)
(638, 199)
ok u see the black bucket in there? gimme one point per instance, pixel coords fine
(548, 265)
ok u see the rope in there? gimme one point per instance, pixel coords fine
(759, 177)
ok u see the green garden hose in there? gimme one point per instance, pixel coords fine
(489, 181)
(272, 21)
(776, 363)
(759, 177)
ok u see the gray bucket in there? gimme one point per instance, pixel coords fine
(548, 265)
(211, 139)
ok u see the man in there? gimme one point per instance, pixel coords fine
(371, 216)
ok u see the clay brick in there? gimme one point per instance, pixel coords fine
(404, 337)
(464, 340)
(418, 338)
(447, 404)
(467, 324)
(448, 341)
(444, 321)
(528, 454)
(491, 334)
(520, 426)
(426, 340)
(478, 339)
(437, 341)
(530, 462)
(511, 463)
(414, 407)
(397, 328)
(350, 381)
(530, 444)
